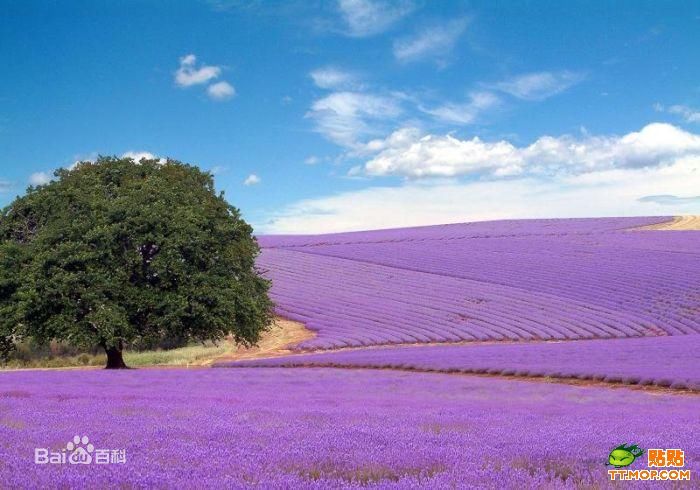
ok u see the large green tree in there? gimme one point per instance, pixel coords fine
(114, 252)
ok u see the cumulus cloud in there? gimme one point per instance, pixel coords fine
(40, 178)
(333, 78)
(344, 117)
(252, 179)
(221, 90)
(539, 85)
(613, 192)
(409, 153)
(653, 171)
(369, 17)
(464, 113)
(189, 74)
(433, 42)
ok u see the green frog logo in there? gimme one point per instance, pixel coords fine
(624, 455)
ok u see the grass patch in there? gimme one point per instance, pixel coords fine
(194, 354)
(197, 355)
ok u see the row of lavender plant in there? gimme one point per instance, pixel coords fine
(326, 429)
(542, 279)
(672, 361)
(378, 305)
(662, 285)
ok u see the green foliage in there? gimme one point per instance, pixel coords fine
(116, 252)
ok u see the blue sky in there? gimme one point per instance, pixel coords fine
(326, 116)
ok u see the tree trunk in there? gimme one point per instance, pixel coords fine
(114, 358)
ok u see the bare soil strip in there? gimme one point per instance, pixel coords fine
(278, 341)
(679, 223)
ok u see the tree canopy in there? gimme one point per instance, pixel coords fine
(115, 251)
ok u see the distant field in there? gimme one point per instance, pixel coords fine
(517, 280)
(671, 361)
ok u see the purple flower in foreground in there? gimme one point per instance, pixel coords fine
(327, 428)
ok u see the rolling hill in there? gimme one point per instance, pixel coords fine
(488, 281)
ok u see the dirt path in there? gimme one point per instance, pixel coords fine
(677, 224)
(401, 345)
(276, 342)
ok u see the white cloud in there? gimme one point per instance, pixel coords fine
(540, 85)
(312, 160)
(221, 90)
(464, 113)
(688, 114)
(5, 186)
(615, 192)
(189, 74)
(343, 117)
(667, 199)
(333, 78)
(137, 156)
(252, 179)
(40, 178)
(409, 153)
(369, 17)
(433, 42)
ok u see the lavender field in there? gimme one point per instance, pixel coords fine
(517, 280)
(223, 428)
(591, 301)
(350, 244)
(672, 361)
